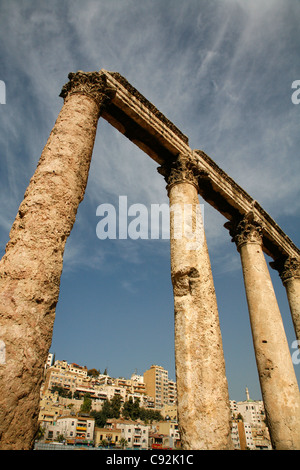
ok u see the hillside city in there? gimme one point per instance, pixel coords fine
(83, 408)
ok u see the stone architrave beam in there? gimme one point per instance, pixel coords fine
(139, 120)
(31, 267)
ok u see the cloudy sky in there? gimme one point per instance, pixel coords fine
(221, 71)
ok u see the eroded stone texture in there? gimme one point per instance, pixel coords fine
(31, 267)
(202, 390)
(275, 368)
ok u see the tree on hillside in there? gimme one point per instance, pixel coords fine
(62, 392)
(128, 409)
(132, 410)
(87, 403)
(115, 407)
(93, 373)
(110, 409)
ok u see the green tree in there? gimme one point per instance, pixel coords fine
(135, 414)
(62, 392)
(100, 418)
(115, 407)
(40, 434)
(150, 415)
(131, 409)
(110, 409)
(127, 408)
(103, 443)
(93, 372)
(87, 404)
(123, 442)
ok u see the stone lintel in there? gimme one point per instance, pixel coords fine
(140, 121)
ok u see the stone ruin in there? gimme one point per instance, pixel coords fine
(31, 268)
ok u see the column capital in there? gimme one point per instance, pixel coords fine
(246, 230)
(287, 267)
(181, 170)
(92, 84)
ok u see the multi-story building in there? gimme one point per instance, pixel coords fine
(168, 428)
(249, 424)
(172, 393)
(51, 408)
(159, 386)
(135, 434)
(169, 412)
(57, 376)
(235, 435)
(71, 427)
(79, 370)
(111, 436)
(49, 360)
(252, 411)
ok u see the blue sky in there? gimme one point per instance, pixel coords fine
(222, 71)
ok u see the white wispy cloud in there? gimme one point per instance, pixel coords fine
(211, 67)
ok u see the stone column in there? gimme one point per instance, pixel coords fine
(202, 389)
(31, 268)
(277, 377)
(289, 271)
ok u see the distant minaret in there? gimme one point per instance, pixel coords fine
(247, 394)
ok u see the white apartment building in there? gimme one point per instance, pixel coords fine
(71, 427)
(249, 438)
(79, 370)
(49, 360)
(136, 435)
(137, 378)
(252, 412)
(235, 436)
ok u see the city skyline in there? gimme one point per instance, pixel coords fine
(105, 372)
(223, 73)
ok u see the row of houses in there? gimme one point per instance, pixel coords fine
(118, 433)
(60, 416)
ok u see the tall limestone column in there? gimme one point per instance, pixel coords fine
(289, 271)
(31, 268)
(277, 377)
(202, 389)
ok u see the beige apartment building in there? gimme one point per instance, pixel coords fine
(160, 387)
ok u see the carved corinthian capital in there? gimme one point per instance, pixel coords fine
(92, 84)
(181, 170)
(247, 230)
(287, 267)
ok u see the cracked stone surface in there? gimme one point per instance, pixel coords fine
(31, 267)
(203, 401)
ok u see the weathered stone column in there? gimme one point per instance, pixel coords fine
(289, 271)
(31, 268)
(202, 389)
(277, 377)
